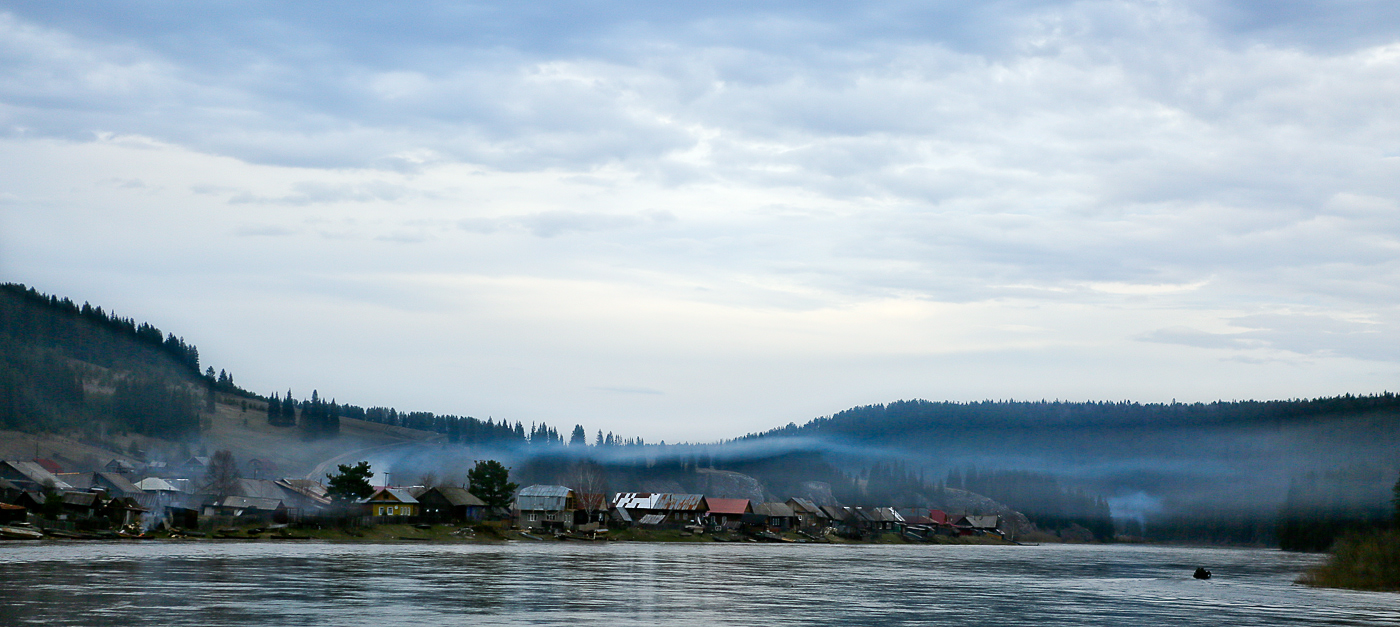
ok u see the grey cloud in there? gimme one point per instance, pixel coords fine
(1302, 334)
(309, 193)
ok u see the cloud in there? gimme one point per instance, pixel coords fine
(1101, 182)
(264, 231)
(629, 390)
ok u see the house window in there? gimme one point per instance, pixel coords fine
(532, 517)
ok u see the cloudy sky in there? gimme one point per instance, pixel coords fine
(692, 223)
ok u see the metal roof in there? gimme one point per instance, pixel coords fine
(250, 502)
(836, 512)
(155, 484)
(727, 506)
(544, 490)
(32, 472)
(652, 519)
(659, 501)
(459, 497)
(804, 506)
(780, 510)
(543, 498)
(82, 499)
(982, 522)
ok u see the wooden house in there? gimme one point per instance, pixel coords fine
(545, 507)
(672, 509)
(31, 476)
(777, 516)
(112, 484)
(446, 503)
(808, 513)
(192, 468)
(726, 512)
(390, 502)
(119, 466)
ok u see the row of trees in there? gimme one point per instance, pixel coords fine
(319, 418)
(88, 333)
(489, 481)
(880, 421)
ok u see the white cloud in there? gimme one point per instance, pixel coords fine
(820, 204)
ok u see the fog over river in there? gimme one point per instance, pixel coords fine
(209, 584)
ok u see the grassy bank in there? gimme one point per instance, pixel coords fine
(1363, 561)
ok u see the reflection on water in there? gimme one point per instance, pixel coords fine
(675, 584)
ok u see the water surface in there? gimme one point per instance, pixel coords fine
(208, 584)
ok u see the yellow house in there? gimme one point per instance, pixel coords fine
(391, 502)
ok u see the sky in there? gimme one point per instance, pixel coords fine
(688, 223)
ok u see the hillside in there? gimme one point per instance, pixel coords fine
(83, 386)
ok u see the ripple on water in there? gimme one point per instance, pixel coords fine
(675, 584)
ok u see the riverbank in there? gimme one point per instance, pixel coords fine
(1362, 561)
(478, 534)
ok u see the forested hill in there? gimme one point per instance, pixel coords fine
(65, 366)
(897, 421)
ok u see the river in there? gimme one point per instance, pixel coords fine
(612, 584)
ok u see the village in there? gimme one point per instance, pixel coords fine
(40, 500)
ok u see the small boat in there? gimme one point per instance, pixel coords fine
(20, 533)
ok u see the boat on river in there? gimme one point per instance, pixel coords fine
(20, 533)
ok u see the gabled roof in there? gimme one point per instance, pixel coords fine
(108, 481)
(382, 495)
(727, 506)
(81, 499)
(544, 490)
(249, 502)
(259, 488)
(459, 497)
(884, 514)
(543, 498)
(773, 510)
(982, 522)
(804, 506)
(659, 501)
(155, 484)
(49, 465)
(836, 512)
(120, 465)
(33, 473)
(309, 488)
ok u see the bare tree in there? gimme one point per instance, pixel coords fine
(589, 482)
(221, 476)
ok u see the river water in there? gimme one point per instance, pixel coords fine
(207, 584)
